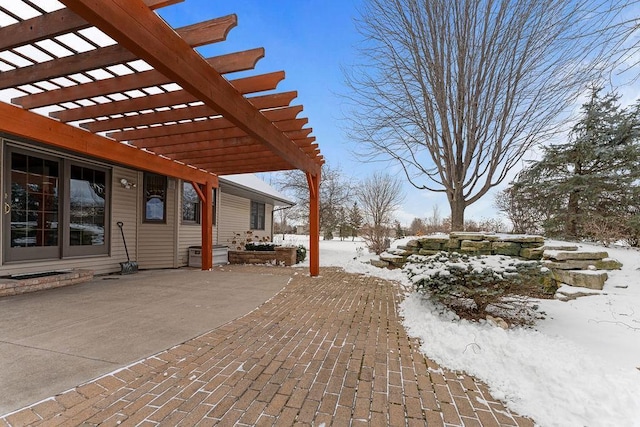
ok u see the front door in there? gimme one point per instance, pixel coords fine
(31, 206)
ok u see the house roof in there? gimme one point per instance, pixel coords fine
(252, 187)
(118, 71)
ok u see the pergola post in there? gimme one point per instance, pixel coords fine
(314, 223)
(205, 193)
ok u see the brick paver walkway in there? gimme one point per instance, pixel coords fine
(325, 351)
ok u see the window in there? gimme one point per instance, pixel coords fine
(87, 201)
(155, 198)
(190, 204)
(35, 187)
(257, 216)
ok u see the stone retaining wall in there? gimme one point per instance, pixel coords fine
(567, 264)
(524, 246)
(14, 286)
(281, 255)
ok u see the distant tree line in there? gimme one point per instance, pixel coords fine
(348, 208)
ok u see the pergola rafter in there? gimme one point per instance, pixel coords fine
(154, 92)
(245, 85)
(230, 63)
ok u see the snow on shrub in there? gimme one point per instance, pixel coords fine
(474, 286)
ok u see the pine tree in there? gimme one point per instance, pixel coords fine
(355, 220)
(589, 186)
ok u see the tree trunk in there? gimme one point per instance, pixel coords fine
(458, 205)
(573, 210)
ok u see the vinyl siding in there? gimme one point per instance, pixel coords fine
(189, 235)
(234, 219)
(156, 247)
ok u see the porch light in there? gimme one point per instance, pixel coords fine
(127, 184)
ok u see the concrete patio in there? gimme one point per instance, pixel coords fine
(329, 350)
(53, 340)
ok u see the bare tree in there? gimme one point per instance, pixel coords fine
(335, 193)
(417, 227)
(379, 195)
(457, 91)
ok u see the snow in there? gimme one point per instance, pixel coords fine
(254, 183)
(579, 366)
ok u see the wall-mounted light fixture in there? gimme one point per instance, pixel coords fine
(127, 184)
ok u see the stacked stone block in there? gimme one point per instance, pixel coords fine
(586, 269)
(529, 247)
(568, 265)
(10, 286)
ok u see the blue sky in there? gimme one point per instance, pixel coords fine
(310, 41)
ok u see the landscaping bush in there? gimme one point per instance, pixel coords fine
(301, 253)
(476, 286)
(260, 247)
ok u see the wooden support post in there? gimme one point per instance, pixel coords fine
(207, 225)
(314, 223)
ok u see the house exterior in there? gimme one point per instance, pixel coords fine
(62, 212)
(145, 133)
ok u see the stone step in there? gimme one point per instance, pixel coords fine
(581, 278)
(574, 255)
(576, 264)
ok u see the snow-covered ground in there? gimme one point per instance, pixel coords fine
(580, 366)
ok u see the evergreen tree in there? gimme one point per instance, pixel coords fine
(589, 186)
(355, 220)
(399, 230)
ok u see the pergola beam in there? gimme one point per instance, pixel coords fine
(32, 126)
(195, 35)
(134, 26)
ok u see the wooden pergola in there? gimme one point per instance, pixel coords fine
(144, 98)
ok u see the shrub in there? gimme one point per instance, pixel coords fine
(260, 247)
(301, 253)
(474, 286)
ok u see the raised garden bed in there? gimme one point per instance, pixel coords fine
(20, 284)
(280, 255)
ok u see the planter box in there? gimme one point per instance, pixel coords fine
(220, 255)
(281, 255)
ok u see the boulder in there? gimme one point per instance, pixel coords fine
(482, 247)
(467, 236)
(576, 264)
(433, 244)
(532, 253)
(524, 239)
(452, 245)
(560, 247)
(505, 248)
(608, 264)
(581, 278)
(413, 244)
(575, 255)
(428, 252)
(379, 263)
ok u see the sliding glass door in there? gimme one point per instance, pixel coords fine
(53, 207)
